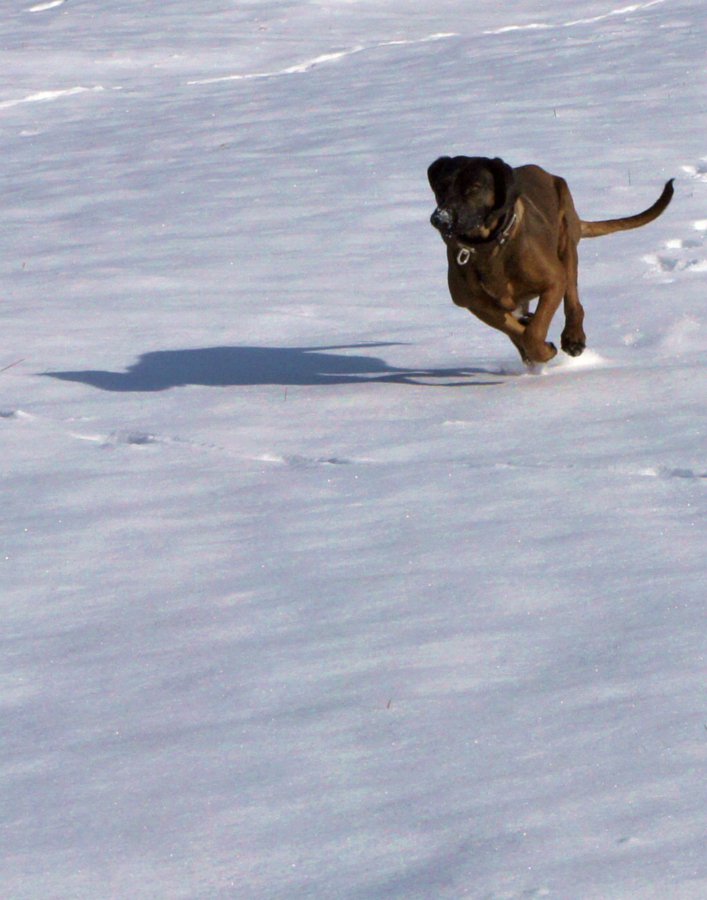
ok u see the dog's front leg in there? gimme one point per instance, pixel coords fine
(490, 311)
(537, 349)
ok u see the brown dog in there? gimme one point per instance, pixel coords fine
(512, 236)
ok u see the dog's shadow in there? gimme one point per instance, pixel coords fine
(242, 366)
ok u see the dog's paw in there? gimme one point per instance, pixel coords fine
(539, 354)
(572, 346)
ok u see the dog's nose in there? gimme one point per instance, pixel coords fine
(442, 219)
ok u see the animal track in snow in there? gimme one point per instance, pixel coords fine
(129, 438)
(699, 172)
(113, 440)
(306, 462)
(682, 254)
(9, 413)
(662, 263)
(140, 439)
(629, 471)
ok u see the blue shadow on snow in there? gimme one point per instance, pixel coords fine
(241, 366)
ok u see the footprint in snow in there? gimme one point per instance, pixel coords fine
(306, 462)
(682, 254)
(699, 171)
(9, 413)
(662, 264)
(131, 438)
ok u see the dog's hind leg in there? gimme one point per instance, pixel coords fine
(573, 339)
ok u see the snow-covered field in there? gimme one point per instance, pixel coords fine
(308, 589)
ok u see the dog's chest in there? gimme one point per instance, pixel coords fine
(488, 278)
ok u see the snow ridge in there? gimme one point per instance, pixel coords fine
(44, 96)
(536, 26)
(324, 58)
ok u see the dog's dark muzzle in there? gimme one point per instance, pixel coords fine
(441, 219)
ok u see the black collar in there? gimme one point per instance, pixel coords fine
(497, 238)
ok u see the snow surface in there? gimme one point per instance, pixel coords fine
(308, 589)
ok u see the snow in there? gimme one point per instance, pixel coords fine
(310, 589)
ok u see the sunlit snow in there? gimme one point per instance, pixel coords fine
(309, 588)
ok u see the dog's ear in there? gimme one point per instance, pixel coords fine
(505, 192)
(440, 173)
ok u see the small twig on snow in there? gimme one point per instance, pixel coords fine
(15, 363)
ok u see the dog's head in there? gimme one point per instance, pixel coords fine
(472, 194)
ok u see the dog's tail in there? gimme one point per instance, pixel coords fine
(597, 229)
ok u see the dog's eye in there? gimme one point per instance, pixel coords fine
(473, 189)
